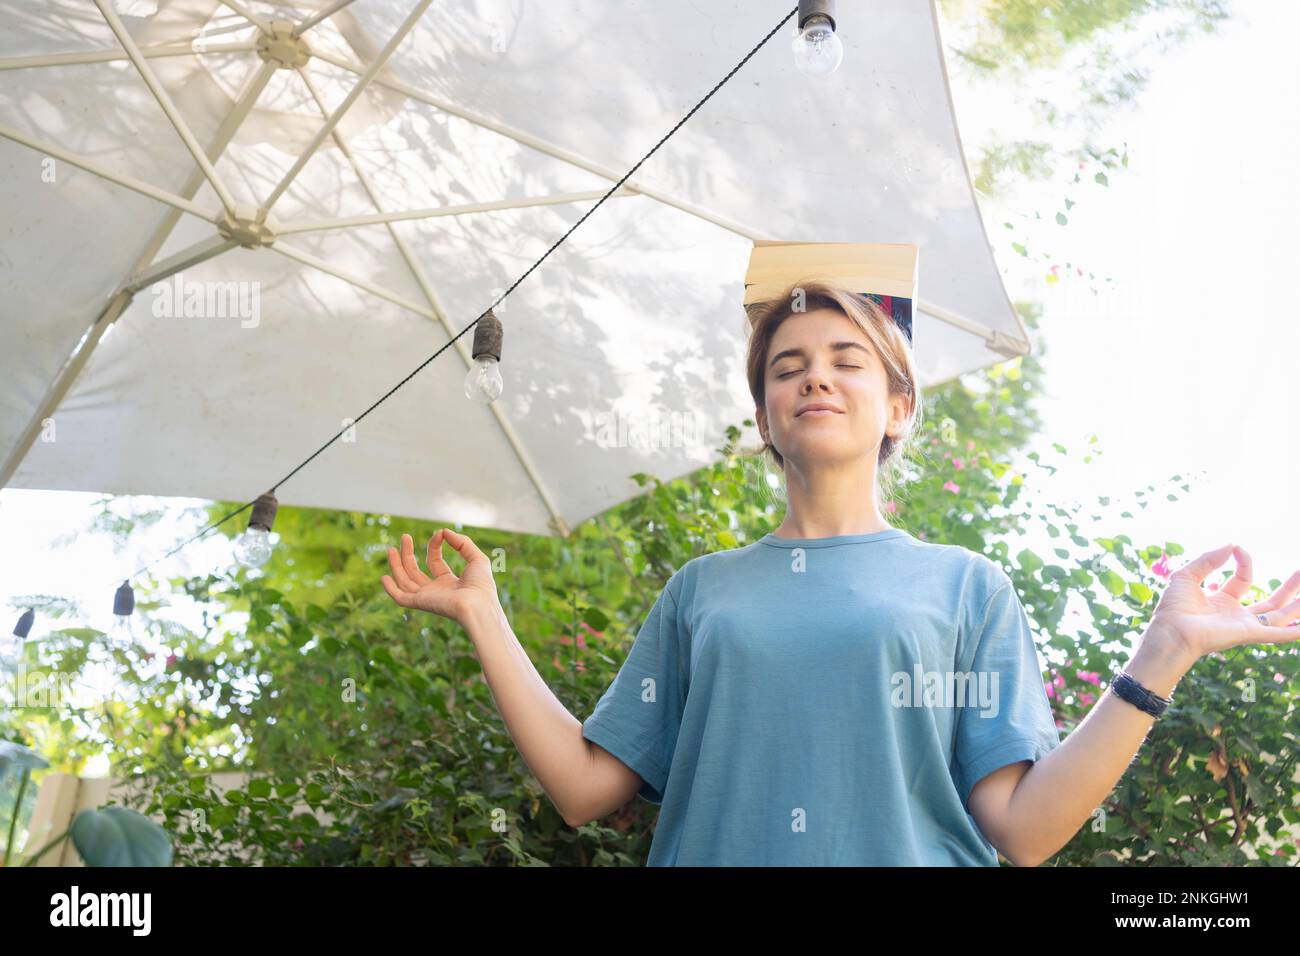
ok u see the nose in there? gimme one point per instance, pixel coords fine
(815, 379)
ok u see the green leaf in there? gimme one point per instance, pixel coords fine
(1101, 178)
(116, 836)
(1140, 592)
(259, 788)
(1029, 561)
(595, 619)
(1112, 582)
(1060, 218)
(222, 816)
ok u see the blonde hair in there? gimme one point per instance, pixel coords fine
(881, 331)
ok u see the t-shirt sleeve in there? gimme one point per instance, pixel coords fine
(638, 717)
(1018, 725)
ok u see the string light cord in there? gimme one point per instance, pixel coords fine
(499, 299)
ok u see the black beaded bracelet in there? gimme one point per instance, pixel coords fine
(1127, 688)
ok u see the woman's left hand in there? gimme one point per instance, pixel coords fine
(1207, 621)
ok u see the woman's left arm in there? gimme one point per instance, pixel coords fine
(1030, 811)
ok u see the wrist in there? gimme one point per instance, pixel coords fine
(483, 616)
(1160, 660)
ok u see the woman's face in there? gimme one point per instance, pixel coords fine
(822, 358)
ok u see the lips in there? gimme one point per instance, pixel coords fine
(818, 406)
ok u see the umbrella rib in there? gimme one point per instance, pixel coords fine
(407, 25)
(253, 18)
(997, 341)
(312, 225)
(426, 287)
(325, 14)
(552, 150)
(306, 258)
(252, 89)
(107, 56)
(201, 251)
(169, 108)
(121, 179)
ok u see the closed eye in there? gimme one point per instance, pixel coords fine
(796, 371)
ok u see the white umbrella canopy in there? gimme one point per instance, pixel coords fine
(158, 340)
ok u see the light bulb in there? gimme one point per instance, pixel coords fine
(817, 48)
(483, 382)
(253, 547)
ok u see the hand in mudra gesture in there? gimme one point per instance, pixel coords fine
(1207, 621)
(441, 591)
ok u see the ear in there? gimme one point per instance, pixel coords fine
(760, 417)
(898, 416)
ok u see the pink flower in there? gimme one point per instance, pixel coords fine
(891, 506)
(970, 446)
(947, 454)
(1059, 681)
(566, 639)
(1047, 686)
(556, 661)
(171, 659)
(582, 642)
(1161, 567)
(1214, 586)
(1060, 723)
(1086, 699)
(956, 463)
(1279, 678)
(1092, 677)
(934, 441)
(951, 486)
(588, 628)
(582, 665)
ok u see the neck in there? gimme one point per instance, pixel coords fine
(831, 500)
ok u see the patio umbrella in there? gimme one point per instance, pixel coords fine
(231, 226)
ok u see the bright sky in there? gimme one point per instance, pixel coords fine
(1190, 368)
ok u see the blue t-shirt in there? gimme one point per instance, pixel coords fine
(827, 702)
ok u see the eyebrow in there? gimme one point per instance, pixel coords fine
(835, 347)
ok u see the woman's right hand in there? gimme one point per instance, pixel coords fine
(444, 593)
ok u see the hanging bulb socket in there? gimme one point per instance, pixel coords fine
(24, 625)
(264, 511)
(813, 8)
(487, 336)
(124, 600)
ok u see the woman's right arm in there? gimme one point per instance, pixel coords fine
(583, 780)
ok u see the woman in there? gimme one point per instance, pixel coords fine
(838, 692)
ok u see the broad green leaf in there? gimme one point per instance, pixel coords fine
(116, 836)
